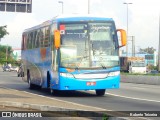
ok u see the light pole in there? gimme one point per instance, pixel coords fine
(159, 46)
(127, 29)
(88, 6)
(61, 2)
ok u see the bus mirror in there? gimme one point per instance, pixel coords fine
(57, 39)
(123, 37)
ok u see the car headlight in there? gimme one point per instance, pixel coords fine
(111, 74)
(66, 75)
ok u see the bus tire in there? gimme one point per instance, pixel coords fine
(100, 92)
(31, 86)
(48, 80)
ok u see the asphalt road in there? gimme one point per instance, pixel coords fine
(130, 97)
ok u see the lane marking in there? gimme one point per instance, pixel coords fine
(100, 109)
(107, 93)
(132, 98)
(67, 101)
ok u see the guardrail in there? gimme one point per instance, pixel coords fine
(141, 79)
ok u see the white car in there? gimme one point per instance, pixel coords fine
(14, 68)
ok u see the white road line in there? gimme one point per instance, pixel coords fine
(67, 101)
(132, 98)
(136, 88)
(101, 109)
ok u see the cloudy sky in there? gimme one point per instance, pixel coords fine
(143, 18)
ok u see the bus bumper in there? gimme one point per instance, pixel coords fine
(88, 84)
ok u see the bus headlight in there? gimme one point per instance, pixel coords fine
(66, 75)
(111, 74)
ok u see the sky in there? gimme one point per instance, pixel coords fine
(143, 18)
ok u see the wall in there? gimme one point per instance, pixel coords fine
(141, 79)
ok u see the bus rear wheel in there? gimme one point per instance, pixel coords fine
(100, 92)
(31, 86)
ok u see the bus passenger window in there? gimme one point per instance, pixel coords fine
(46, 40)
(34, 38)
(41, 37)
(29, 41)
(37, 39)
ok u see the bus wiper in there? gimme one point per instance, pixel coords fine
(77, 67)
(103, 66)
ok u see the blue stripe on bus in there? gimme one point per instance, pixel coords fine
(72, 19)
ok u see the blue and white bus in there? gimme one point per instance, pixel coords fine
(73, 53)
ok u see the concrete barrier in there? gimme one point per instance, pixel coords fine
(141, 79)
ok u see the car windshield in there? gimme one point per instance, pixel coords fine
(89, 45)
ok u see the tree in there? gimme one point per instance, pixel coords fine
(3, 31)
(5, 52)
(149, 50)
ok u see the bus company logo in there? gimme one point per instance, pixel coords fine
(6, 114)
(43, 53)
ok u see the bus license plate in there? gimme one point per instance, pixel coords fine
(91, 83)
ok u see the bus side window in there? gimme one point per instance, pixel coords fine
(34, 39)
(24, 42)
(46, 40)
(29, 42)
(42, 37)
(37, 39)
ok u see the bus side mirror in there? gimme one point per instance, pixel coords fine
(57, 39)
(123, 37)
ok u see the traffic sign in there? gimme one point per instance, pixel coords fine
(16, 6)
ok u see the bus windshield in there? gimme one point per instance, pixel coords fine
(88, 45)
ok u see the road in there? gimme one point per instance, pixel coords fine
(130, 97)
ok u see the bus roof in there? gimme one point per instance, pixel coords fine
(77, 17)
(71, 18)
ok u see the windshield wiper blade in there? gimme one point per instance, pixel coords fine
(77, 66)
(103, 66)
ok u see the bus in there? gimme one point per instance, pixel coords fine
(73, 53)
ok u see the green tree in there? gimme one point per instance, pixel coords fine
(5, 52)
(149, 50)
(3, 31)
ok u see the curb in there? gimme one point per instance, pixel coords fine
(34, 106)
(53, 108)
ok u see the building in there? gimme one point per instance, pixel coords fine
(150, 59)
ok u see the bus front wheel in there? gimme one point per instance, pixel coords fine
(100, 92)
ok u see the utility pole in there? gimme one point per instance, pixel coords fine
(133, 46)
(88, 6)
(6, 52)
(61, 2)
(127, 29)
(159, 46)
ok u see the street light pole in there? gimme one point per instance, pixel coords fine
(159, 46)
(88, 6)
(127, 29)
(61, 2)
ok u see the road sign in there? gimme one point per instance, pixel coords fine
(16, 5)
